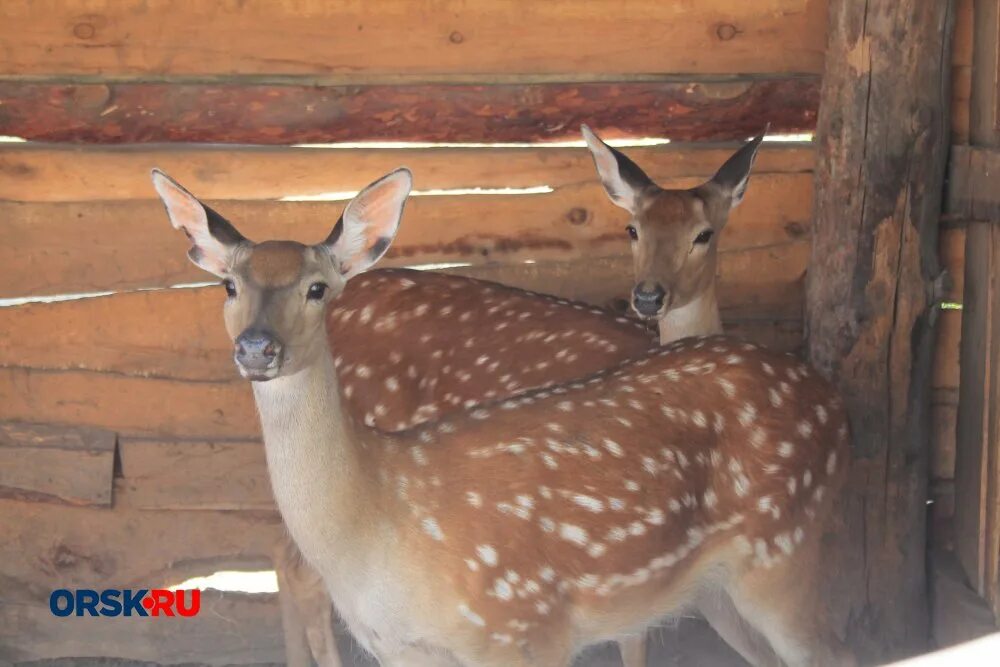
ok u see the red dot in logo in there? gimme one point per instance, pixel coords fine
(147, 602)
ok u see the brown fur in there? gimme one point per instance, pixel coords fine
(276, 264)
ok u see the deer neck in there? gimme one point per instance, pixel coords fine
(699, 317)
(315, 461)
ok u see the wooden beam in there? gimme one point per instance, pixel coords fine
(882, 140)
(66, 248)
(131, 405)
(47, 546)
(42, 173)
(67, 465)
(972, 191)
(393, 39)
(232, 629)
(184, 475)
(977, 456)
(119, 113)
(113, 334)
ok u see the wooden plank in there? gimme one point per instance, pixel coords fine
(946, 371)
(971, 459)
(34, 172)
(232, 629)
(359, 42)
(295, 114)
(224, 475)
(972, 194)
(951, 249)
(46, 547)
(124, 547)
(961, 92)
(943, 425)
(68, 465)
(185, 338)
(131, 405)
(85, 247)
(869, 311)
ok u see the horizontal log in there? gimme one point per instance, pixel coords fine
(49, 546)
(232, 629)
(358, 42)
(178, 334)
(67, 465)
(84, 247)
(228, 475)
(130, 405)
(34, 172)
(128, 113)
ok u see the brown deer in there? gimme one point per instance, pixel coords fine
(518, 531)
(674, 236)
(400, 368)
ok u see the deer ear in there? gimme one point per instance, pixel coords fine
(213, 239)
(623, 180)
(732, 178)
(369, 223)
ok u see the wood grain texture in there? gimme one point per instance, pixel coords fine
(180, 475)
(232, 629)
(120, 113)
(66, 465)
(132, 405)
(360, 41)
(37, 172)
(48, 546)
(62, 248)
(882, 139)
(178, 334)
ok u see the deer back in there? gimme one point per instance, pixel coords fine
(603, 502)
(413, 345)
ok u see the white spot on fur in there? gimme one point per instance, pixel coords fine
(487, 554)
(432, 528)
(470, 615)
(573, 533)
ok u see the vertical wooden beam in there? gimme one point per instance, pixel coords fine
(977, 449)
(882, 138)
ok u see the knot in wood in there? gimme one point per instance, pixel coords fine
(726, 31)
(84, 30)
(577, 215)
(456, 37)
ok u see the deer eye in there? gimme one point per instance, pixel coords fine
(230, 287)
(316, 291)
(633, 233)
(704, 237)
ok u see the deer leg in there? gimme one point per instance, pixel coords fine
(782, 603)
(720, 612)
(307, 612)
(633, 650)
(296, 644)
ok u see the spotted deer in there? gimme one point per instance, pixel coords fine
(674, 234)
(399, 367)
(518, 531)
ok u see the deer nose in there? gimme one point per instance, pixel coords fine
(647, 298)
(256, 350)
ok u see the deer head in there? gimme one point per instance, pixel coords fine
(278, 290)
(674, 233)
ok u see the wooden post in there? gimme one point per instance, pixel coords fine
(882, 138)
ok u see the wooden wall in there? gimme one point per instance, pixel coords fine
(952, 248)
(216, 94)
